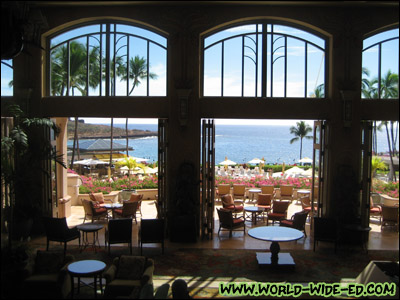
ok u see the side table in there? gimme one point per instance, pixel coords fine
(86, 268)
(87, 228)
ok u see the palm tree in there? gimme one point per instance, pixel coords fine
(130, 163)
(137, 71)
(300, 131)
(377, 163)
(77, 64)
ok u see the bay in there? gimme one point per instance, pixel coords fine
(239, 143)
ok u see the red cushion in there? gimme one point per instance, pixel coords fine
(375, 210)
(265, 206)
(118, 211)
(287, 222)
(276, 216)
(100, 210)
(237, 221)
(239, 208)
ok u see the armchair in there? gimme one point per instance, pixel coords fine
(228, 222)
(46, 276)
(227, 203)
(127, 275)
(297, 221)
(57, 230)
(128, 210)
(279, 211)
(93, 211)
(98, 198)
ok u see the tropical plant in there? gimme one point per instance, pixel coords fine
(377, 164)
(301, 131)
(319, 91)
(24, 153)
(130, 163)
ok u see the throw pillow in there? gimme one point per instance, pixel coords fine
(48, 262)
(97, 197)
(131, 267)
(227, 200)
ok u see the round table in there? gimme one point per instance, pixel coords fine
(86, 268)
(87, 228)
(275, 234)
(254, 210)
(252, 192)
(111, 207)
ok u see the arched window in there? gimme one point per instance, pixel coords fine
(380, 65)
(107, 59)
(264, 60)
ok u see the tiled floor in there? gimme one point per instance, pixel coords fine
(387, 239)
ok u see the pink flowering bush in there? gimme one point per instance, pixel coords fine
(258, 181)
(116, 184)
(390, 188)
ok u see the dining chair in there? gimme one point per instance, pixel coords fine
(264, 201)
(228, 203)
(137, 198)
(222, 190)
(286, 192)
(239, 192)
(268, 189)
(119, 231)
(151, 231)
(93, 211)
(297, 221)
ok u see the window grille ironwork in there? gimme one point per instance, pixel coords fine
(380, 68)
(269, 62)
(107, 59)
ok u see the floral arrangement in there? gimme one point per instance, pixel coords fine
(258, 181)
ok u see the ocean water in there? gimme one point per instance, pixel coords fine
(240, 143)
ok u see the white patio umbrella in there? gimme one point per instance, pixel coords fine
(306, 160)
(255, 161)
(227, 162)
(90, 162)
(294, 170)
(138, 159)
(308, 173)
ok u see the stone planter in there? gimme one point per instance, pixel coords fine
(389, 201)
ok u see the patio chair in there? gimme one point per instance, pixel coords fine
(239, 192)
(228, 222)
(93, 211)
(222, 190)
(119, 231)
(390, 216)
(286, 192)
(297, 221)
(278, 212)
(227, 203)
(306, 204)
(137, 198)
(264, 201)
(326, 230)
(128, 210)
(268, 189)
(57, 230)
(375, 210)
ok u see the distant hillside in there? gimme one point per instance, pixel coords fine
(104, 131)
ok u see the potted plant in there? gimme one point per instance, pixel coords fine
(23, 154)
